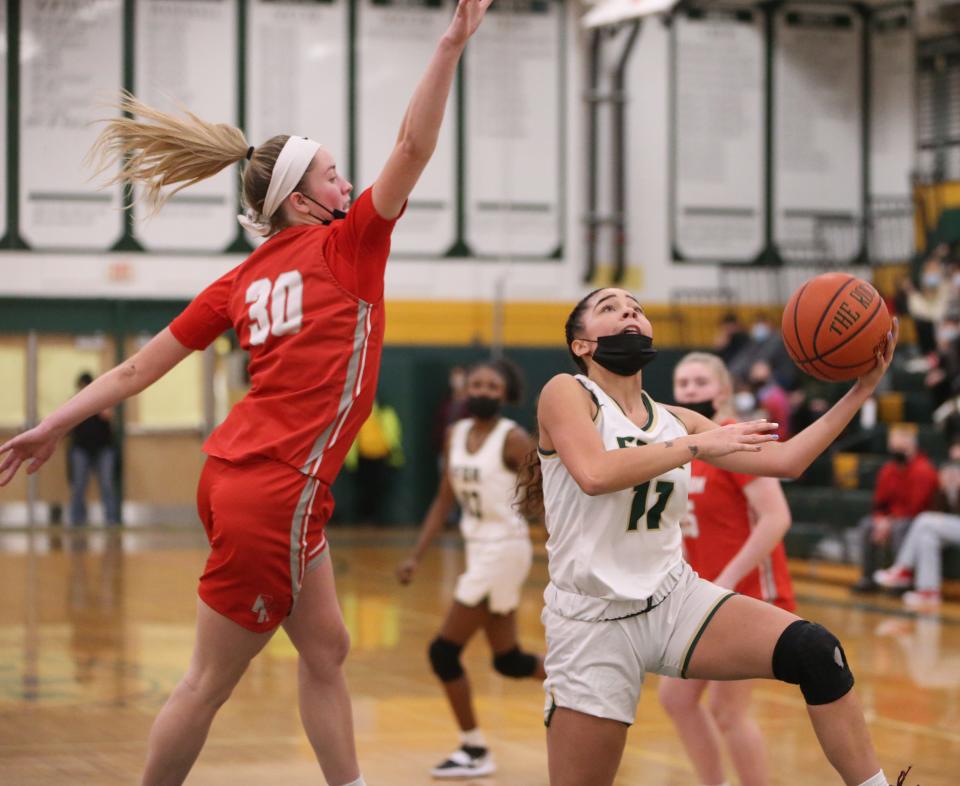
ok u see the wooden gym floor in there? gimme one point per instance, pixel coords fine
(96, 629)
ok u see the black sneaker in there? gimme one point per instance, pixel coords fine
(465, 762)
(864, 584)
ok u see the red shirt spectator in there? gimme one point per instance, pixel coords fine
(905, 489)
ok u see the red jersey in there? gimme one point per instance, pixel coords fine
(308, 308)
(718, 528)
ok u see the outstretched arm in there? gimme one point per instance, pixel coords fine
(566, 426)
(420, 128)
(35, 446)
(790, 459)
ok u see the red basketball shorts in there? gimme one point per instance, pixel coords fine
(265, 523)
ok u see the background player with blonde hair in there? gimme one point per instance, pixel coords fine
(733, 537)
(308, 307)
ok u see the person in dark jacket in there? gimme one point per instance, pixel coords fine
(92, 450)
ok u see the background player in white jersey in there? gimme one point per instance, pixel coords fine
(482, 455)
(621, 601)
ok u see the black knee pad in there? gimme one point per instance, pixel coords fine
(445, 659)
(810, 656)
(515, 663)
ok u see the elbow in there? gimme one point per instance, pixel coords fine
(789, 473)
(591, 485)
(784, 468)
(414, 151)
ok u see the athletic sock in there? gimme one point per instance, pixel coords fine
(473, 738)
(877, 780)
(361, 782)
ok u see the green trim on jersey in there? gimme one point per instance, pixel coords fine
(648, 404)
(700, 632)
(679, 420)
(596, 401)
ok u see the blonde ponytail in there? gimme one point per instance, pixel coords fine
(158, 149)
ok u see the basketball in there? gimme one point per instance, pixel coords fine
(834, 325)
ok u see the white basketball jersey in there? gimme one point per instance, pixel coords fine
(616, 546)
(484, 485)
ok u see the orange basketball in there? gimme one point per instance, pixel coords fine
(834, 325)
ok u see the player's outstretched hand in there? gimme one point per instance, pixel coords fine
(873, 377)
(735, 438)
(34, 446)
(406, 569)
(466, 20)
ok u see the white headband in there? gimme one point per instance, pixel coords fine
(292, 162)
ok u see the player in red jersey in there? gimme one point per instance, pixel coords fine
(733, 536)
(308, 306)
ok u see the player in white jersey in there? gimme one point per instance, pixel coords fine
(482, 455)
(621, 600)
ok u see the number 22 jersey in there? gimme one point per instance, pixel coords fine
(621, 545)
(307, 306)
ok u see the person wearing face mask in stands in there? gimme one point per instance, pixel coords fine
(928, 304)
(905, 487)
(770, 397)
(765, 344)
(943, 379)
(483, 452)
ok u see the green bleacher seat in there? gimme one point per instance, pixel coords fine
(838, 508)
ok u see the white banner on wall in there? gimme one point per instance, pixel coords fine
(718, 136)
(70, 54)
(3, 119)
(186, 54)
(818, 184)
(297, 73)
(891, 104)
(396, 39)
(513, 77)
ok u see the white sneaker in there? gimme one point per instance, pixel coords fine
(922, 600)
(465, 762)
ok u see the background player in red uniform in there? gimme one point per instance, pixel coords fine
(733, 537)
(308, 307)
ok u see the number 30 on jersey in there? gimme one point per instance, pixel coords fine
(285, 299)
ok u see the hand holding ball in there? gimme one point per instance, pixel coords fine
(834, 326)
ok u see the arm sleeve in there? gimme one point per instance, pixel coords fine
(206, 317)
(358, 249)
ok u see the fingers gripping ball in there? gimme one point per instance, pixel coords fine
(834, 326)
(808, 655)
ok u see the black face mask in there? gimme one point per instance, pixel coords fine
(705, 408)
(483, 407)
(624, 353)
(337, 214)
